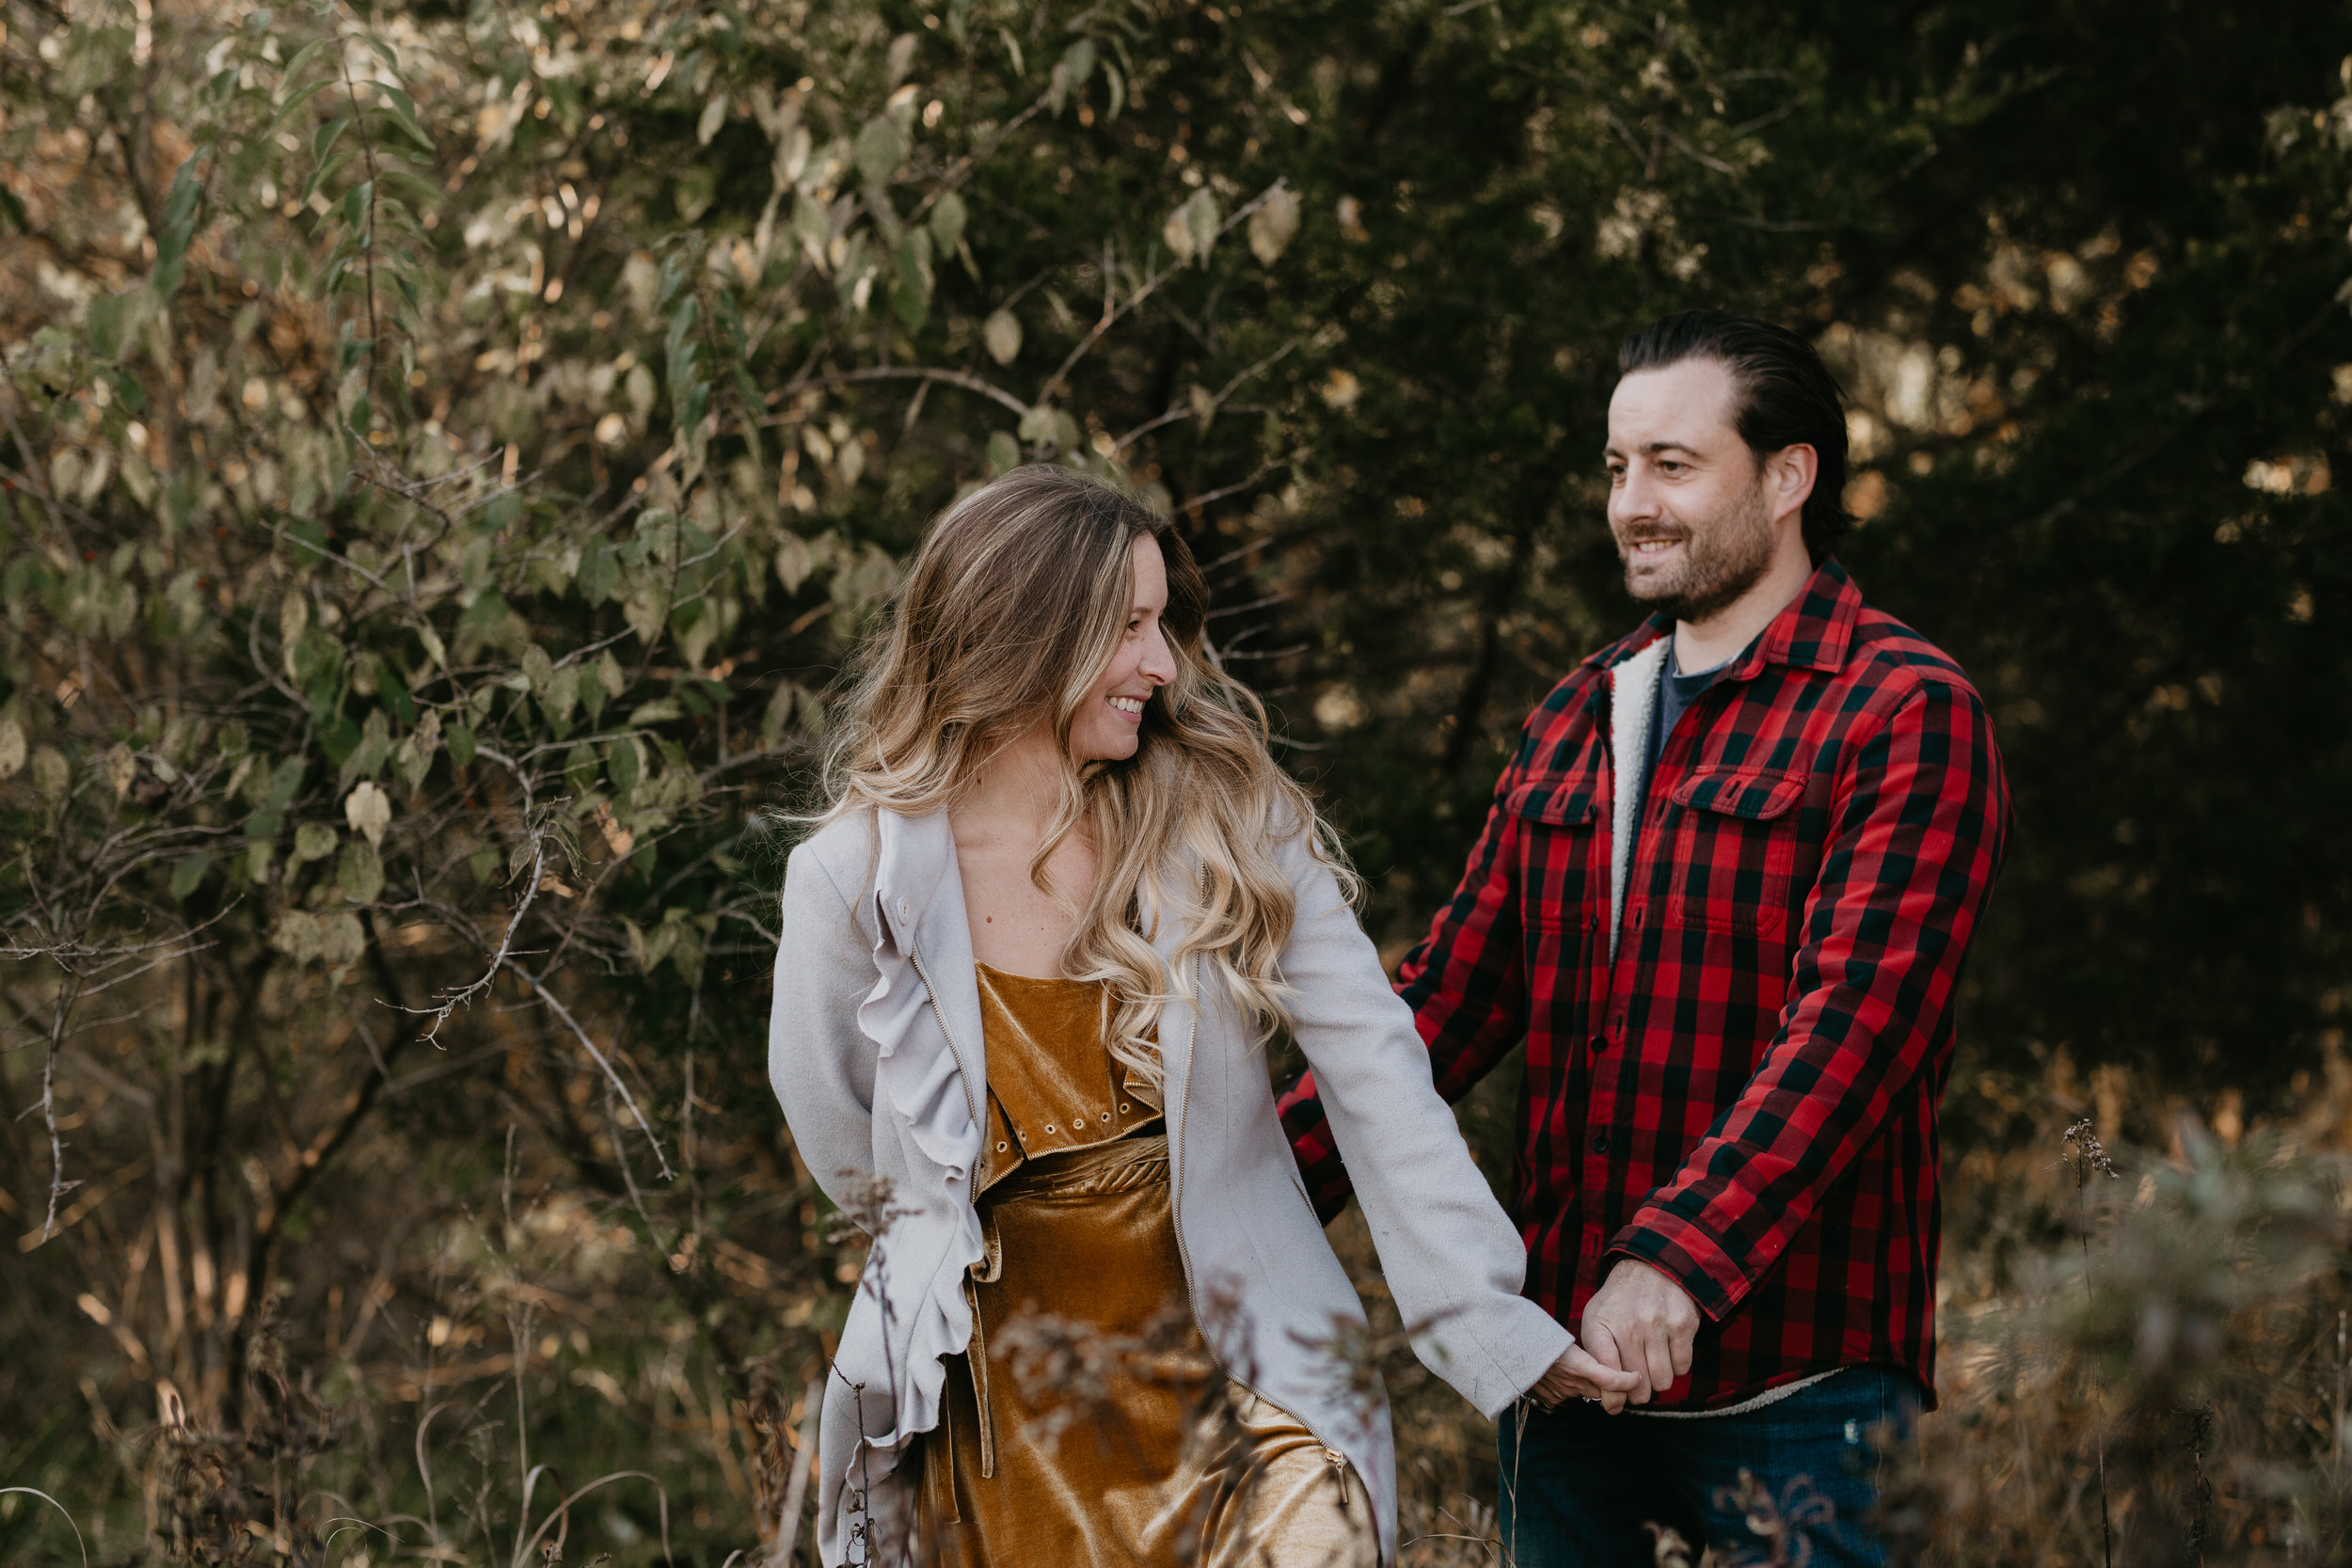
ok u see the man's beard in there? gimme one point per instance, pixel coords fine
(1723, 556)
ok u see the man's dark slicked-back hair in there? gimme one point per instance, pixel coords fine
(1786, 397)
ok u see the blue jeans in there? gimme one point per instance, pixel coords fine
(1581, 1487)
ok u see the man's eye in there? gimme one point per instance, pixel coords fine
(1670, 465)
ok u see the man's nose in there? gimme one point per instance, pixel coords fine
(1633, 500)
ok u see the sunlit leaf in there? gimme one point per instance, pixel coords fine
(1002, 334)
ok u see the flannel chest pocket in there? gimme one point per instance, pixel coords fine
(1735, 850)
(1558, 813)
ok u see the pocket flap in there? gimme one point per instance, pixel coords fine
(1555, 800)
(1754, 795)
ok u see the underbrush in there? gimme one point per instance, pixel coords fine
(2146, 1358)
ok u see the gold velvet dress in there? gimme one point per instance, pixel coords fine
(1121, 1458)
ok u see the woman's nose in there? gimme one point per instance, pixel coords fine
(1159, 664)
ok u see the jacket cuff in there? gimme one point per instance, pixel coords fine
(1536, 1340)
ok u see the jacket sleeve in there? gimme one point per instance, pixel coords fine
(1452, 1259)
(822, 1068)
(1466, 985)
(1917, 833)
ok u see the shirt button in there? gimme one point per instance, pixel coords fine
(1600, 1043)
(1600, 1143)
(903, 909)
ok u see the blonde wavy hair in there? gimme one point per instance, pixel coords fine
(1010, 612)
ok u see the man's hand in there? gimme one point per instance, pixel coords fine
(1578, 1375)
(1643, 1323)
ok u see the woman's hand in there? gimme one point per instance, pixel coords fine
(1578, 1375)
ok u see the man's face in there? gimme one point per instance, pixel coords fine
(1686, 495)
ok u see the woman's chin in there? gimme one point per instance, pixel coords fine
(1107, 748)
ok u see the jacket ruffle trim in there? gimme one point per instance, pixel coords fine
(917, 1072)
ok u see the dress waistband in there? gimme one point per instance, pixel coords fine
(1110, 1167)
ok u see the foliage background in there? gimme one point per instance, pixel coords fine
(448, 452)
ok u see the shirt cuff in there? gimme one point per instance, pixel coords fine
(1687, 1254)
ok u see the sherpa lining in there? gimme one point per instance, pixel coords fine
(1632, 697)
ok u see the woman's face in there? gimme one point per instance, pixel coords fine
(1109, 722)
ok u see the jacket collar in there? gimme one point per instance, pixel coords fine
(914, 856)
(918, 896)
(1813, 632)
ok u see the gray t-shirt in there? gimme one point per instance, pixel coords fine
(1677, 692)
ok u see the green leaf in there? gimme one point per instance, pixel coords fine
(322, 174)
(303, 57)
(591, 693)
(881, 149)
(298, 96)
(696, 189)
(285, 783)
(360, 872)
(188, 873)
(459, 740)
(108, 322)
(178, 228)
(599, 572)
(947, 220)
(127, 390)
(400, 110)
(684, 349)
(326, 136)
(1004, 453)
(624, 767)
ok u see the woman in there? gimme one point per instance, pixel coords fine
(1061, 899)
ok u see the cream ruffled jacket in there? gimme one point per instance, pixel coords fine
(876, 1055)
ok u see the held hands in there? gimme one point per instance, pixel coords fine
(1640, 1321)
(1578, 1375)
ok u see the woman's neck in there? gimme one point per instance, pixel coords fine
(1016, 792)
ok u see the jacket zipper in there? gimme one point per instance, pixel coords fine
(1184, 1120)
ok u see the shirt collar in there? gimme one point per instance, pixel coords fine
(1813, 632)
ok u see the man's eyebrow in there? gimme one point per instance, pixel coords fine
(1651, 448)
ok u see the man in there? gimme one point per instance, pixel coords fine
(1723, 894)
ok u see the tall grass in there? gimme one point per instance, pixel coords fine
(2146, 1359)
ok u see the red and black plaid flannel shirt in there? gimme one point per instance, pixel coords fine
(1745, 1098)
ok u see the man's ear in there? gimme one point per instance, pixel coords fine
(1788, 476)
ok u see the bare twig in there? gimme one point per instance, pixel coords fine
(604, 1065)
